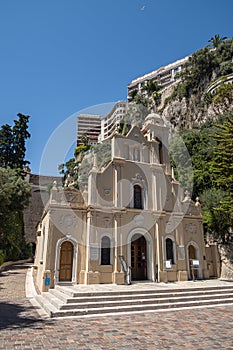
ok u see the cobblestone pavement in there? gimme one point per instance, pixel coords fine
(22, 328)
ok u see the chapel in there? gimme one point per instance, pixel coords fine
(129, 220)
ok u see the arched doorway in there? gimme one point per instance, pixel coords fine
(192, 255)
(66, 262)
(138, 257)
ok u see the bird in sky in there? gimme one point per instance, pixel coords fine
(142, 8)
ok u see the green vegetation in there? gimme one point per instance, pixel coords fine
(75, 171)
(222, 163)
(211, 156)
(12, 143)
(203, 66)
(14, 191)
(81, 149)
(150, 97)
(216, 40)
(14, 195)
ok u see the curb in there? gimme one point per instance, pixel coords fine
(31, 294)
(11, 263)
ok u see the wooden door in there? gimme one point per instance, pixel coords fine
(66, 261)
(139, 259)
(192, 256)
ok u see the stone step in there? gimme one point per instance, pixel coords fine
(46, 304)
(66, 302)
(136, 302)
(142, 295)
(136, 308)
(73, 292)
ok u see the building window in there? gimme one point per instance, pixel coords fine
(160, 153)
(105, 251)
(169, 250)
(137, 197)
(42, 244)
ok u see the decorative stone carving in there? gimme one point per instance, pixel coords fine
(107, 222)
(107, 191)
(187, 197)
(191, 228)
(197, 204)
(67, 221)
(139, 220)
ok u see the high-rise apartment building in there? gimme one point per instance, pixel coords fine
(111, 121)
(90, 125)
(98, 128)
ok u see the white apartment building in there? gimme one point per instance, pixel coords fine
(164, 76)
(111, 121)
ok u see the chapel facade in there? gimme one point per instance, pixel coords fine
(131, 213)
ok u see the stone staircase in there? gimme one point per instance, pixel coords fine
(69, 301)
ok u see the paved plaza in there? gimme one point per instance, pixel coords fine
(21, 327)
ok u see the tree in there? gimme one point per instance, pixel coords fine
(223, 95)
(216, 40)
(140, 99)
(197, 73)
(191, 153)
(150, 87)
(152, 91)
(216, 221)
(14, 196)
(14, 191)
(85, 139)
(6, 146)
(20, 135)
(222, 163)
(132, 94)
(12, 143)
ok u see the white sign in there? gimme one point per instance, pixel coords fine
(195, 263)
(168, 264)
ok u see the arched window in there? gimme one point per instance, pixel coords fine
(160, 150)
(105, 251)
(169, 250)
(42, 244)
(137, 197)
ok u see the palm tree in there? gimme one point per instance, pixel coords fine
(216, 40)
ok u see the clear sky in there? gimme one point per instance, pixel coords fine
(59, 57)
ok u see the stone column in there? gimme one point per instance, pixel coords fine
(87, 248)
(162, 275)
(118, 276)
(154, 191)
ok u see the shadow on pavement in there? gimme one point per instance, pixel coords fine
(15, 316)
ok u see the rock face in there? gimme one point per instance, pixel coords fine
(216, 99)
(193, 112)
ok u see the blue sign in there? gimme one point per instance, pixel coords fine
(47, 281)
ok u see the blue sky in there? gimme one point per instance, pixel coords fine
(59, 57)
